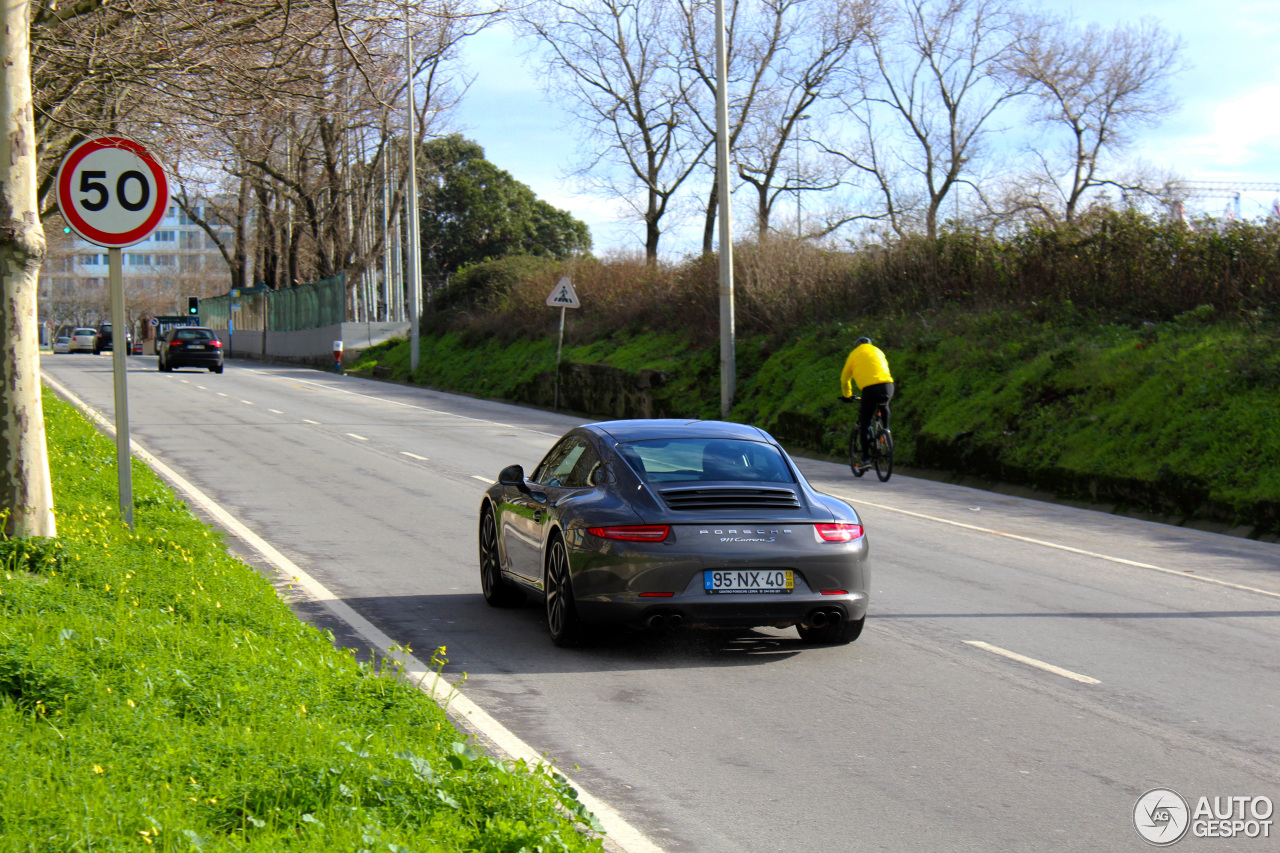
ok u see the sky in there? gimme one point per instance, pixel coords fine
(1227, 129)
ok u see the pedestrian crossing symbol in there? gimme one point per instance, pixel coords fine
(563, 295)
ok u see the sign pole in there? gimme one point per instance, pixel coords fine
(559, 349)
(119, 350)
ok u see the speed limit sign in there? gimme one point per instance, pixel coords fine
(111, 191)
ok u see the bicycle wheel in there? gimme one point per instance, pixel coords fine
(883, 452)
(853, 453)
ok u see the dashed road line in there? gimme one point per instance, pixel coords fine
(482, 479)
(414, 456)
(358, 437)
(1038, 664)
(321, 386)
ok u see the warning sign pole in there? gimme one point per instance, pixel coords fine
(559, 349)
(562, 296)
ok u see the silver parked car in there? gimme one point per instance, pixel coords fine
(670, 523)
(83, 340)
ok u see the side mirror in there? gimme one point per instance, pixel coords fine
(512, 475)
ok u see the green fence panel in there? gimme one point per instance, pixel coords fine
(308, 306)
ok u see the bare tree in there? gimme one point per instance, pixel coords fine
(25, 485)
(1093, 88)
(616, 65)
(785, 58)
(941, 75)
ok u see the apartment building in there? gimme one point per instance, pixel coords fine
(178, 260)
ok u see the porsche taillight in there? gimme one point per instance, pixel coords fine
(838, 532)
(633, 533)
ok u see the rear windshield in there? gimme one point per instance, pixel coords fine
(193, 335)
(706, 459)
(85, 332)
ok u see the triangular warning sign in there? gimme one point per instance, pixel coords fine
(563, 295)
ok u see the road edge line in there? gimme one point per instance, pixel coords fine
(1069, 549)
(616, 827)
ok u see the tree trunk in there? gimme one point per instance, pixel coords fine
(26, 492)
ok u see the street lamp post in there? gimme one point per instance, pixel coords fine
(411, 213)
(797, 137)
(728, 361)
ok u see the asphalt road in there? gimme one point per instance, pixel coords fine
(1163, 643)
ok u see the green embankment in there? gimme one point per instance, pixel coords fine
(1180, 419)
(156, 694)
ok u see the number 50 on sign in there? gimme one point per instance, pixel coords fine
(111, 191)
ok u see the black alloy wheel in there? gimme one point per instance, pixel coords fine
(562, 615)
(839, 634)
(498, 591)
(884, 454)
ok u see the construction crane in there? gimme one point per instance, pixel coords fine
(1231, 190)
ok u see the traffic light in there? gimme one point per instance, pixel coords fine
(193, 305)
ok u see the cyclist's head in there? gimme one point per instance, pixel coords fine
(860, 341)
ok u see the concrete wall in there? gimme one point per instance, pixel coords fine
(310, 346)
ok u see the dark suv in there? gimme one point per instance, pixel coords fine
(189, 346)
(103, 343)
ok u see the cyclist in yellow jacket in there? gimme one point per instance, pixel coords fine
(868, 368)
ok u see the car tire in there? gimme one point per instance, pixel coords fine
(833, 635)
(562, 613)
(498, 591)
(217, 369)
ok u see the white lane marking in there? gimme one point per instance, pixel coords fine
(220, 394)
(246, 402)
(414, 456)
(201, 387)
(482, 479)
(1067, 548)
(309, 421)
(627, 837)
(275, 411)
(1038, 664)
(359, 437)
(320, 386)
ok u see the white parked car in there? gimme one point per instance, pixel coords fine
(83, 340)
(62, 343)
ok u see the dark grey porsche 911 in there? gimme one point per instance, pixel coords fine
(671, 523)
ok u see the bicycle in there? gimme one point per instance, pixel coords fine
(881, 451)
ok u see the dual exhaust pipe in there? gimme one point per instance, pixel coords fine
(820, 618)
(662, 621)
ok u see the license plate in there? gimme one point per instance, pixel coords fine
(196, 346)
(748, 580)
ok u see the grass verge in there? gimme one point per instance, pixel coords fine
(156, 694)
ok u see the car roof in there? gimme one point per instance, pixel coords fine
(641, 430)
